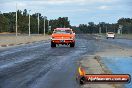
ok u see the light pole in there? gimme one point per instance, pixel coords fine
(49, 27)
(38, 23)
(44, 24)
(29, 23)
(48, 24)
(16, 19)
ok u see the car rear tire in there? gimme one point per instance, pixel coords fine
(72, 44)
(53, 44)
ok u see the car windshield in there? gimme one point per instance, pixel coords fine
(62, 31)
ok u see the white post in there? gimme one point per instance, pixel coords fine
(48, 25)
(44, 25)
(38, 23)
(16, 19)
(29, 23)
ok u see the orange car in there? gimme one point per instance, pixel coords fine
(64, 36)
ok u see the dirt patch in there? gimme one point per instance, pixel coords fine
(124, 36)
(13, 40)
(115, 52)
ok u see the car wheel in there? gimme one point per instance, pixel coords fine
(107, 38)
(113, 37)
(72, 44)
(53, 44)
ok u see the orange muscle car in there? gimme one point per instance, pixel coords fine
(64, 36)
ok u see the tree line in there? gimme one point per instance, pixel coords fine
(8, 22)
(103, 27)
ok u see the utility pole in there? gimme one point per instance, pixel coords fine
(16, 19)
(48, 25)
(38, 23)
(44, 24)
(29, 23)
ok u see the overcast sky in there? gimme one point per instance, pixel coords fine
(78, 11)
